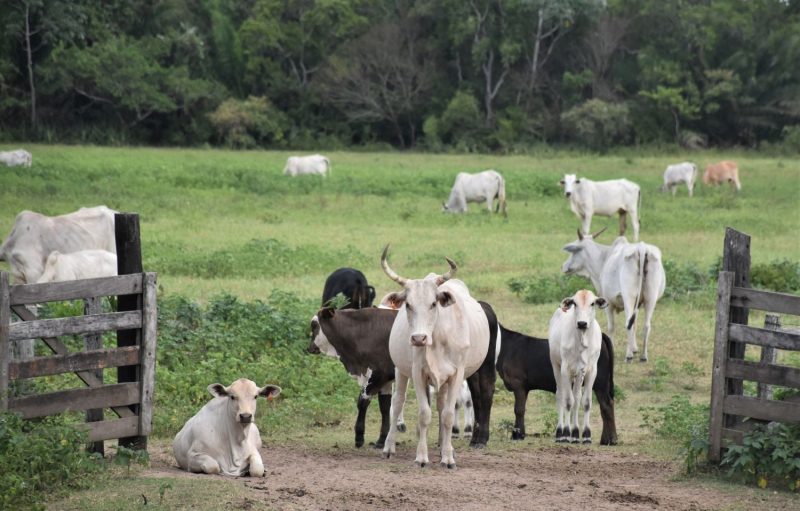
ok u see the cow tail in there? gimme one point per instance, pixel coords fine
(642, 262)
(639, 209)
(330, 168)
(501, 195)
(610, 348)
(694, 174)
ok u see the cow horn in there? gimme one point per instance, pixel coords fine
(388, 271)
(441, 279)
(580, 235)
(598, 233)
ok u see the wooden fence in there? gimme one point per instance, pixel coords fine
(728, 404)
(131, 421)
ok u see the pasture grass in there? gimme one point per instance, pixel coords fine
(217, 222)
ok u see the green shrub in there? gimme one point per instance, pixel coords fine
(684, 279)
(770, 457)
(547, 289)
(682, 422)
(248, 123)
(598, 124)
(778, 276)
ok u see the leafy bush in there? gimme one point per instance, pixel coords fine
(547, 289)
(598, 124)
(38, 456)
(684, 279)
(770, 457)
(246, 124)
(682, 422)
(778, 276)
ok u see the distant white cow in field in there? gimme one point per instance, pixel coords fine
(681, 173)
(482, 187)
(315, 164)
(86, 264)
(14, 158)
(605, 198)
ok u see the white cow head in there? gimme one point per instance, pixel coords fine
(584, 303)
(422, 300)
(581, 254)
(242, 395)
(569, 182)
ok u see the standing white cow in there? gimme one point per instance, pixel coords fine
(86, 264)
(34, 237)
(681, 173)
(14, 158)
(222, 438)
(575, 341)
(305, 165)
(605, 198)
(440, 337)
(485, 186)
(629, 276)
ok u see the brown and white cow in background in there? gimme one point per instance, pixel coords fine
(441, 336)
(605, 198)
(721, 173)
(222, 438)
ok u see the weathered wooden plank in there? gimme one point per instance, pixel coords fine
(76, 325)
(763, 337)
(715, 419)
(5, 343)
(74, 362)
(780, 411)
(148, 363)
(761, 372)
(766, 301)
(108, 430)
(76, 289)
(732, 436)
(91, 342)
(50, 403)
(736, 259)
(57, 347)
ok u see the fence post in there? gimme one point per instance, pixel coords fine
(94, 342)
(769, 355)
(715, 417)
(736, 259)
(148, 357)
(5, 343)
(129, 260)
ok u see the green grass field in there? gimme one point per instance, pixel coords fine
(207, 218)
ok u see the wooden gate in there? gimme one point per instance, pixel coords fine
(132, 421)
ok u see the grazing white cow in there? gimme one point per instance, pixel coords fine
(305, 165)
(440, 337)
(86, 264)
(485, 187)
(14, 158)
(34, 237)
(605, 198)
(629, 276)
(222, 438)
(575, 342)
(681, 173)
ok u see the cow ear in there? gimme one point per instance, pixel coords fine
(571, 248)
(269, 391)
(328, 311)
(445, 298)
(218, 390)
(601, 303)
(394, 300)
(566, 304)
(561, 183)
(371, 293)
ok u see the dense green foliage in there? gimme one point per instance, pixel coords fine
(768, 457)
(485, 75)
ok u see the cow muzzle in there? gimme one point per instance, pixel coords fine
(582, 325)
(245, 418)
(313, 348)
(419, 340)
(567, 194)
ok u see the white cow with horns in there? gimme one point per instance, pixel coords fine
(681, 173)
(316, 164)
(222, 438)
(485, 187)
(605, 198)
(629, 276)
(14, 158)
(440, 336)
(575, 341)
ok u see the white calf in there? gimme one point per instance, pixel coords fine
(315, 164)
(681, 173)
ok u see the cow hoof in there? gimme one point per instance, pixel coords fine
(450, 466)
(478, 446)
(467, 434)
(386, 455)
(586, 441)
(606, 441)
(643, 359)
(418, 464)
(628, 360)
(468, 429)
(378, 446)
(359, 443)
(401, 428)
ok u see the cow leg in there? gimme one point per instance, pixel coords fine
(622, 223)
(482, 403)
(256, 465)
(635, 222)
(609, 435)
(421, 389)
(203, 463)
(575, 404)
(674, 189)
(587, 223)
(469, 418)
(587, 405)
(490, 201)
(401, 423)
(474, 384)
(648, 314)
(441, 396)
(453, 387)
(363, 405)
(399, 398)
(610, 313)
(520, 403)
(385, 404)
(456, 420)
(632, 348)
(690, 186)
(562, 384)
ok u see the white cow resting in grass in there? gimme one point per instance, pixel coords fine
(605, 198)
(222, 438)
(17, 157)
(681, 173)
(315, 164)
(575, 341)
(485, 187)
(629, 276)
(86, 264)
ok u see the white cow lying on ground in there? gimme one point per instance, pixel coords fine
(575, 342)
(34, 237)
(629, 276)
(303, 165)
(605, 198)
(681, 173)
(86, 264)
(485, 187)
(14, 158)
(222, 438)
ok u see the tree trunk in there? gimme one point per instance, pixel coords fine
(30, 61)
(399, 133)
(487, 72)
(535, 63)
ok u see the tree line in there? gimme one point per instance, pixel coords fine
(468, 75)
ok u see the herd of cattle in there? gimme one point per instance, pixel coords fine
(433, 332)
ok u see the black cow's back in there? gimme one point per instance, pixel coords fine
(352, 284)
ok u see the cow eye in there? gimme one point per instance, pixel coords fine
(233, 397)
(408, 307)
(433, 305)
(592, 305)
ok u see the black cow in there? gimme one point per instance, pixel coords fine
(353, 285)
(524, 365)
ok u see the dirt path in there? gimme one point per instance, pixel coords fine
(553, 478)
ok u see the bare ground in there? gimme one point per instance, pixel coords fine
(551, 478)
